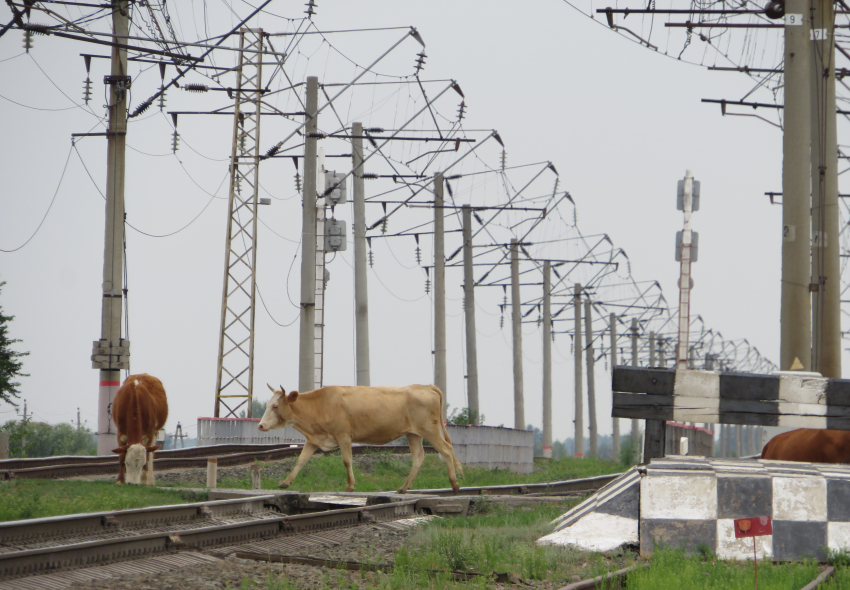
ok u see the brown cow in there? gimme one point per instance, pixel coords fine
(809, 444)
(139, 410)
(335, 416)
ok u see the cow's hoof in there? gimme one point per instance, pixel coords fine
(349, 489)
(456, 489)
(401, 491)
(283, 485)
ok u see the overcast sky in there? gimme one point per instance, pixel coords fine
(621, 124)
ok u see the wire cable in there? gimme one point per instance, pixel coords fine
(49, 207)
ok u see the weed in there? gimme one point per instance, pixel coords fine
(672, 569)
(278, 582)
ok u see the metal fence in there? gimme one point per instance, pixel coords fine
(491, 447)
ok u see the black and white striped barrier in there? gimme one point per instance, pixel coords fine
(691, 502)
(798, 400)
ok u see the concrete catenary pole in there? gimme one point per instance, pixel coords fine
(635, 423)
(795, 314)
(591, 378)
(361, 292)
(469, 316)
(547, 359)
(110, 354)
(439, 290)
(826, 270)
(306, 349)
(577, 370)
(653, 360)
(612, 322)
(516, 321)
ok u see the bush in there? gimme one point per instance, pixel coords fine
(45, 440)
(464, 417)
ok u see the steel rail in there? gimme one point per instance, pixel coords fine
(41, 560)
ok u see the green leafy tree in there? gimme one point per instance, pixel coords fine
(464, 417)
(258, 408)
(10, 366)
(38, 439)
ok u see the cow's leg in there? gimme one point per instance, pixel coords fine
(344, 442)
(445, 449)
(121, 469)
(150, 480)
(414, 441)
(306, 453)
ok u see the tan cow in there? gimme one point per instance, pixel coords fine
(334, 417)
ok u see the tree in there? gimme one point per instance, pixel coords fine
(464, 417)
(10, 367)
(258, 408)
(45, 440)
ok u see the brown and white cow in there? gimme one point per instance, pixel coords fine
(139, 410)
(334, 417)
(809, 444)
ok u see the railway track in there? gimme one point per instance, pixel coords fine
(44, 553)
(53, 553)
(227, 455)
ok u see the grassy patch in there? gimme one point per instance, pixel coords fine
(37, 498)
(502, 540)
(673, 569)
(382, 471)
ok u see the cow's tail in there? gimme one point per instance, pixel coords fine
(458, 466)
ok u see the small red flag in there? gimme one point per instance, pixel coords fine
(757, 526)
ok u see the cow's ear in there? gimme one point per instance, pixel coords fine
(292, 397)
(154, 448)
(120, 450)
(271, 388)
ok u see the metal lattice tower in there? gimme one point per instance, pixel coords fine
(235, 381)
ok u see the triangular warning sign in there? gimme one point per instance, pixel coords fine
(796, 365)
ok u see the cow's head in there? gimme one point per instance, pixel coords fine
(135, 458)
(279, 410)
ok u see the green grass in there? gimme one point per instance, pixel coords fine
(382, 471)
(37, 498)
(503, 539)
(500, 539)
(672, 569)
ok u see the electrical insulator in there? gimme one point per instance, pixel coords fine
(161, 102)
(311, 5)
(371, 259)
(502, 321)
(196, 88)
(420, 63)
(242, 143)
(297, 182)
(504, 159)
(418, 255)
(461, 111)
(175, 142)
(87, 90)
(27, 40)
(384, 226)
(427, 286)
